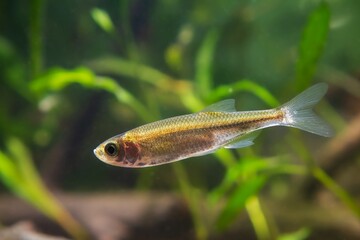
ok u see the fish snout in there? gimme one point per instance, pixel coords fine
(99, 153)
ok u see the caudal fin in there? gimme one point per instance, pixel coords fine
(299, 113)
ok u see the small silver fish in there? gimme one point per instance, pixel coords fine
(217, 126)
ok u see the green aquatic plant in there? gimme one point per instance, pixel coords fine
(18, 173)
(56, 79)
(251, 173)
(103, 20)
(246, 171)
(311, 45)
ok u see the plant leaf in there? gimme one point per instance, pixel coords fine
(300, 234)
(56, 79)
(224, 91)
(238, 199)
(102, 19)
(235, 174)
(204, 61)
(311, 45)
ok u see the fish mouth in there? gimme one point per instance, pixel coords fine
(98, 153)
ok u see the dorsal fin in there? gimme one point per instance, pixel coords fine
(227, 105)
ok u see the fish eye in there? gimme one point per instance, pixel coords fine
(111, 149)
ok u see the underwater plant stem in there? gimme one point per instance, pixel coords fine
(192, 199)
(35, 37)
(191, 102)
(128, 37)
(226, 157)
(258, 219)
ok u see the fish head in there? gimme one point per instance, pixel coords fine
(118, 152)
(111, 151)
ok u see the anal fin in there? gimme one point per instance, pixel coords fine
(243, 140)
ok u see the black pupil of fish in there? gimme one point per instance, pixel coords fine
(111, 149)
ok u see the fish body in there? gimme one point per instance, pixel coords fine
(217, 126)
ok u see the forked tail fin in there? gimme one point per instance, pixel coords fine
(299, 113)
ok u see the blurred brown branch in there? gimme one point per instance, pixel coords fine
(133, 215)
(112, 216)
(25, 230)
(337, 153)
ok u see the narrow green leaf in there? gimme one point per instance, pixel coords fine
(56, 79)
(300, 234)
(22, 158)
(204, 62)
(124, 96)
(9, 173)
(238, 199)
(143, 73)
(20, 176)
(311, 45)
(191, 102)
(192, 198)
(102, 19)
(258, 219)
(244, 85)
(235, 174)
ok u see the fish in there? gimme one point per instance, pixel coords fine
(217, 126)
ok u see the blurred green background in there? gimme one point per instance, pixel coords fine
(74, 73)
